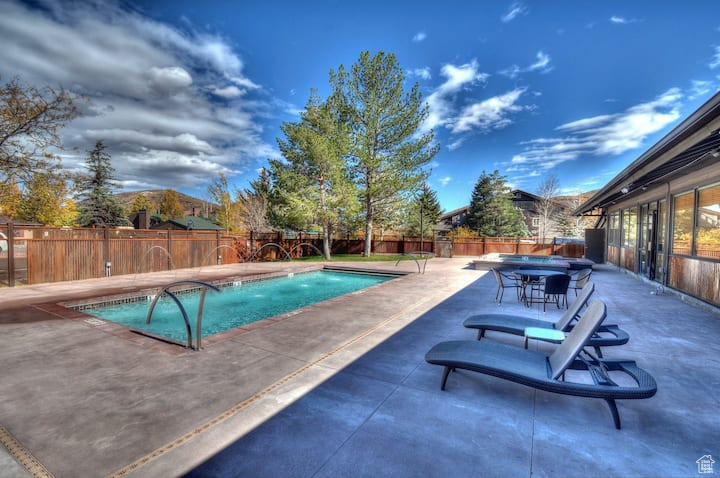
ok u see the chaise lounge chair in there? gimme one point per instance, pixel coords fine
(606, 335)
(547, 371)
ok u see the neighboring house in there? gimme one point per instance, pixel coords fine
(187, 223)
(531, 207)
(660, 214)
(527, 202)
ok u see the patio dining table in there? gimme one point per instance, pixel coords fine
(530, 276)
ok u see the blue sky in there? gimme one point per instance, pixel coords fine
(183, 90)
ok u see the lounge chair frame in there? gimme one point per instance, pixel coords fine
(547, 371)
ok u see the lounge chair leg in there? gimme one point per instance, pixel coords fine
(481, 333)
(614, 411)
(445, 374)
(598, 351)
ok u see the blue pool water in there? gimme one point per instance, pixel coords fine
(237, 305)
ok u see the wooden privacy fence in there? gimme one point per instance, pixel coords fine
(477, 246)
(34, 255)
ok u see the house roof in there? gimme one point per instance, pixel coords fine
(191, 222)
(691, 145)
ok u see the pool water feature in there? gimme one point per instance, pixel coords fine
(240, 303)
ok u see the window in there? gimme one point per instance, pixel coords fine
(629, 227)
(707, 233)
(535, 221)
(683, 208)
(614, 230)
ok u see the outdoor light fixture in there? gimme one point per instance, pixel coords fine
(625, 190)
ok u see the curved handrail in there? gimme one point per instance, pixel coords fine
(165, 291)
(424, 254)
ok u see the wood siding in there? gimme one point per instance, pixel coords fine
(696, 277)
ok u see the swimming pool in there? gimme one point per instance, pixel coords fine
(240, 303)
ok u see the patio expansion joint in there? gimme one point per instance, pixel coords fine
(426, 302)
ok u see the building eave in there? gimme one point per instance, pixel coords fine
(694, 141)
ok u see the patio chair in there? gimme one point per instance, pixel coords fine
(578, 281)
(607, 335)
(548, 371)
(505, 281)
(552, 288)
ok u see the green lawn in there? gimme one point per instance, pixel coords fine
(356, 258)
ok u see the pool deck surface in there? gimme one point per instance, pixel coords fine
(341, 388)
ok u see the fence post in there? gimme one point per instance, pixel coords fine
(517, 245)
(106, 251)
(11, 255)
(169, 245)
(217, 245)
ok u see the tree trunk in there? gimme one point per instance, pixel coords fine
(326, 242)
(368, 236)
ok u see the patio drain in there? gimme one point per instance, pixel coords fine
(22, 455)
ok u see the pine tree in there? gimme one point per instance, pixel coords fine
(314, 185)
(99, 206)
(492, 212)
(170, 207)
(424, 209)
(387, 153)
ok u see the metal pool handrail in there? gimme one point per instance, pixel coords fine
(424, 254)
(165, 291)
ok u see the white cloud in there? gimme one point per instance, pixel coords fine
(154, 93)
(228, 92)
(456, 144)
(457, 78)
(420, 36)
(514, 10)
(543, 60)
(449, 106)
(716, 59)
(701, 88)
(169, 80)
(488, 114)
(423, 73)
(618, 20)
(445, 181)
(542, 65)
(602, 135)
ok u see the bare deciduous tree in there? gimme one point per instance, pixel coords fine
(29, 122)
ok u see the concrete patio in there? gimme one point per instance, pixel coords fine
(341, 389)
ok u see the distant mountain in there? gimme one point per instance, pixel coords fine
(193, 206)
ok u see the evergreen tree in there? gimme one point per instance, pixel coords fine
(492, 212)
(386, 151)
(314, 185)
(423, 213)
(170, 207)
(99, 206)
(141, 202)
